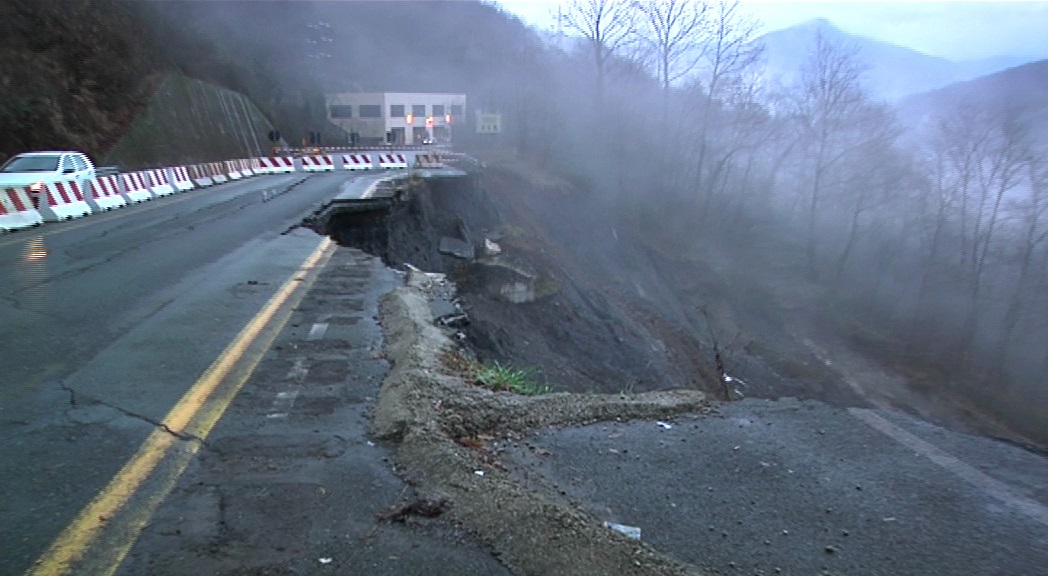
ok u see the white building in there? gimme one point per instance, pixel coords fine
(397, 117)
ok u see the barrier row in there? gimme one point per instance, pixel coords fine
(29, 206)
(54, 202)
(380, 161)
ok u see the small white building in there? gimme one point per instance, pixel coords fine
(397, 117)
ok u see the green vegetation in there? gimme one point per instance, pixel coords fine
(497, 377)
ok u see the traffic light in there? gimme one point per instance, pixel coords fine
(274, 135)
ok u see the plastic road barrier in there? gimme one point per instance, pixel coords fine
(103, 193)
(356, 162)
(134, 187)
(61, 201)
(16, 210)
(391, 161)
(182, 181)
(218, 174)
(231, 170)
(277, 165)
(159, 184)
(317, 163)
(284, 164)
(428, 161)
(245, 167)
(200, 175)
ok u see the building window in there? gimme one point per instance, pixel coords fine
(396, 111)
(456, 110)
(370, 111)
(418, 109)
(438, 109)
(341, 111)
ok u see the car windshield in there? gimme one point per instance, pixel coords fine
(32, 164)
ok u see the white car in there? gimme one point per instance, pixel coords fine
(34, 169)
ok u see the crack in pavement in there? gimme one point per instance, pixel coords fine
(88, 399)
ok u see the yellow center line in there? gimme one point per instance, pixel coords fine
(101, 535)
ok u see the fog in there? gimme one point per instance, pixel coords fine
(923, 242)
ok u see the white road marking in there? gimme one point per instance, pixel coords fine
(979, 479)
(285, 401)
(317, 331)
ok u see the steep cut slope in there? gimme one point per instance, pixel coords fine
(188, 121)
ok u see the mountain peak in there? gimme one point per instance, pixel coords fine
(892, 71)
(820, 22)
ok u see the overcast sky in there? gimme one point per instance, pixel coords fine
(958, 30)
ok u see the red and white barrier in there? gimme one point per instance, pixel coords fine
(218, 172)
(428, 161)
(16, 210)
(245, 168)
(61, 201)
(159, 184)
(103, 193)
(135, 189)
(181, 179)
(390, 161)
(284, 164)
(231, 170)
(356, 162)
(266, 166)
(200, 175)
(317, 163)
(276, 165)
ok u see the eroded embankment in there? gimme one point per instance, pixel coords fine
(529, 305)
(447, 431)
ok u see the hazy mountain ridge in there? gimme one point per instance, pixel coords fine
(1017, 91)
(893, 72)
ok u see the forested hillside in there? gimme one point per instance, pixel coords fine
(72, 74)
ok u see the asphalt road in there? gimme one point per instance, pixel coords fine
(791, 487)
(105, 323)
(290, 481)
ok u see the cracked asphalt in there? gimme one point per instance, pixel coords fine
(108, 320)
(291, 481)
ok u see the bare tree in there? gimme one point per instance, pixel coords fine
(608, 27)
(674, 31)
(730, 51)
(836, 121)
(1031, 210)
(998, 171)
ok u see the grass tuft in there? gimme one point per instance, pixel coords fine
(493, 376)
(499, 378)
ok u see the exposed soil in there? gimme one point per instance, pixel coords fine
(593, 304)
(566, 325)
